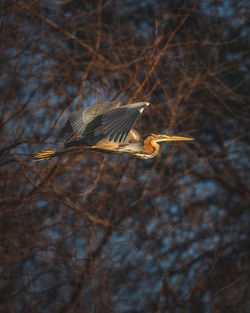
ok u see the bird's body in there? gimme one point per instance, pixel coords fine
(108, 127)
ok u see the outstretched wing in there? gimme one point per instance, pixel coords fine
(116, 124)
(78, 121)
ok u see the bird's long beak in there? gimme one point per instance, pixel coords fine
(173, 138)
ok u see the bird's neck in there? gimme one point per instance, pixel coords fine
(151, 147)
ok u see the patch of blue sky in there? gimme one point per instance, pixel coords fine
(39, 282)
(215, 212)
(146, 264)
(127, 297)
(234, 148)
(125, 250)
(200, 191)
(81, 249)
(237, 158)
(85, 100)
(151, 226)
(224, 8)
(52, 229)
(163, 205)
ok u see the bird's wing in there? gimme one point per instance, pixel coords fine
(78, 121)
(116, 124)
(101, 108)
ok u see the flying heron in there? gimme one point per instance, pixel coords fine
(108, 127)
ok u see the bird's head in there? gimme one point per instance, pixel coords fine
(161, 138)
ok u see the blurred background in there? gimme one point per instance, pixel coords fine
(112, 233)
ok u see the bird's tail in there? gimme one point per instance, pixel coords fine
(44, 155)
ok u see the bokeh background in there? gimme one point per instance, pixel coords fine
(112, 233)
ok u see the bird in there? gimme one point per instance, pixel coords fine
(108, 127)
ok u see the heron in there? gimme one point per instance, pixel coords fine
(108, 127)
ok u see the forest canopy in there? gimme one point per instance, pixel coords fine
(93, 232)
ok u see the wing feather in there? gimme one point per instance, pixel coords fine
(106, 120)
(78, 121)
(117, 123)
